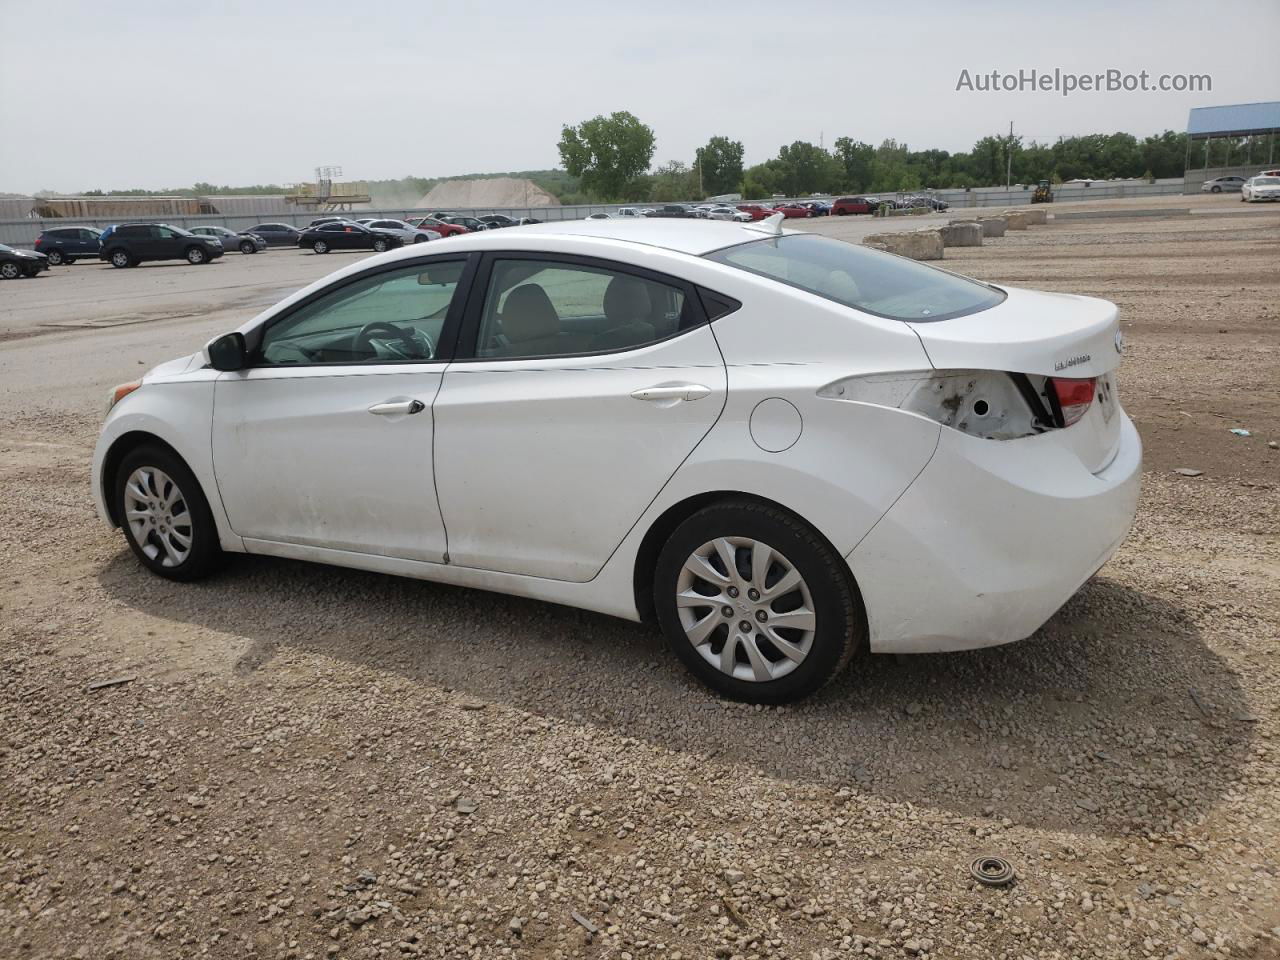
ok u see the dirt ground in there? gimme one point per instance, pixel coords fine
(317, 763)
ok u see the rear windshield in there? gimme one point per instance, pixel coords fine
(858, 277)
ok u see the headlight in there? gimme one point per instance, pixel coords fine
(121, 391)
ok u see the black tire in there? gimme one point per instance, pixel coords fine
(56, 258)
(247, 246)
(121, 259)
(196, 256)
(381, 246)
(10, 271)
(839, 621)
(68, 260)
(320, 247)
(1215, 189)
(205, 553)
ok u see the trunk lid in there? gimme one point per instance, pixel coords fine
(1043, 335)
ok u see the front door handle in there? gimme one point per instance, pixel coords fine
(393, 408)
(673, 391)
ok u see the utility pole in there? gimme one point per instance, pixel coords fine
(1008, 155)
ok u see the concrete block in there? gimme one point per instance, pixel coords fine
(1016, 220)
(993, 226)
(961, 233)
(916, 244)
(1036, 215)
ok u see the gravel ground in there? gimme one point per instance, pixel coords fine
(317, 763)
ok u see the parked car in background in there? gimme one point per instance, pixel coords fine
(348, 235)
(1260, 188)
(68, 244)
(405, 231)
(628, 212)
(757, 211)
(320, 221)
(133, 243)
(598, 216)
(671, 211)
(933, 203)
(1223, 185)
(15, 264)
(844, 206)
(792, 210)
(277, 234)
(471, 223)
(820, 208)
(496, 220)
(436, 225)
(245, 242)
(728, 213)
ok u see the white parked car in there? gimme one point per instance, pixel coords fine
(784, 449)
(1261, 188)
(627, 212)
(405, 231)
(728, 213)
(1222, 185)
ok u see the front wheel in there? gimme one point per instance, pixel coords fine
(380, 246)
(164, 515)
(247, 246)
(10, 271)
(196, 255)
(55, 258)
(419, 238)
(1215, 189)
(756, 603)
(320, 247)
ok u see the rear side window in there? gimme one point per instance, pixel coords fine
(867, 280)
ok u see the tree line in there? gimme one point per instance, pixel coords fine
(611, 157)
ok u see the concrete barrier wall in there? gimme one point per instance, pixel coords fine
(963, 233)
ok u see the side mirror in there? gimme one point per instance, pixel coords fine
(227, 352)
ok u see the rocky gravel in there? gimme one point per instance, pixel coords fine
(306, 762)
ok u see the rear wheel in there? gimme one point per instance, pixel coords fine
(246, 246)
(164, 515)
(756, 604)
(196, 255)
(320, 247)
(121, 259)
(55, 257)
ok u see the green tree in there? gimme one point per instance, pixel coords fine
(855, 157)
(807, 168)
(606, 153)
(672, 182)
(720, 165)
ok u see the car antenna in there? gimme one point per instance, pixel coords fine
(771, 225)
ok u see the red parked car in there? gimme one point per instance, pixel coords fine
(439, 226)
(756, 210)
(791, 210)
(846, 205)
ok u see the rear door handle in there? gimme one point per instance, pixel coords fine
(672, 391)
(393, 408)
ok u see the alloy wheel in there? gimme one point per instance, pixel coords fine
(746, 609)
(9, 271)
(55, 257)
(158, 516)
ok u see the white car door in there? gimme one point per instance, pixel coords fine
(325, 440)
(587, 385)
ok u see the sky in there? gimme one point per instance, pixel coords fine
(164, 94)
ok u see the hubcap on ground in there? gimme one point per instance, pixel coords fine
(157, 514)
(746, 609)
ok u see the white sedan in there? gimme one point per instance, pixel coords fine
(784, 449)
(728, 213)
(405, 231)
(1260, 188)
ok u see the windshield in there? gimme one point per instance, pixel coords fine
(868, 280)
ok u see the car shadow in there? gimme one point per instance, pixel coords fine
(1114, 718)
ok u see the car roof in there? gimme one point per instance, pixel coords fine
(695, 237)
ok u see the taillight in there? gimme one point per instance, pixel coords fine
(1074, 397)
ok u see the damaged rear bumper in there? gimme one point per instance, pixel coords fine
(991, 539)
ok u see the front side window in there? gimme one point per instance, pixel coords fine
(886, 286)
(391, 316)
(538, 308)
